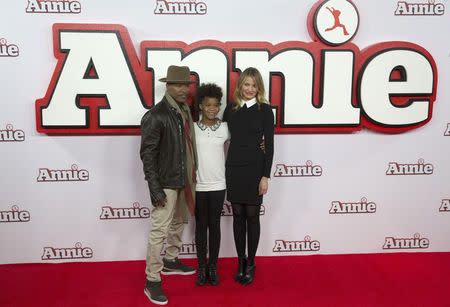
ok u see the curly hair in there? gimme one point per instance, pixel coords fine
(207, 90)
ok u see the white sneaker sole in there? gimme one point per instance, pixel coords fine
(152, 300)
(177, 273)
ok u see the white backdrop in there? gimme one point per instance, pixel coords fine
(38, 220)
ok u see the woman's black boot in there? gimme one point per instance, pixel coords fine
(242, 263)
(201, 276)
(249, 274)
(212, 275)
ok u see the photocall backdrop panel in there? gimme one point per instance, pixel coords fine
(354, 190)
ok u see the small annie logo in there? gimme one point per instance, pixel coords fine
(445, 206)
(447, 130)
(307, 170)
(77, 252)
(419, 168)
(227, 209)
(135, 212)
(73, 174)
(307, 245)
(15, 215)
(186, 249)
(363, 206)
(429, 8)
(406, 243)
(180, 7)
(8, 50)
(53, 6)
(11, 135)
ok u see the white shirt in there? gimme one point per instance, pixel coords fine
(211, 156)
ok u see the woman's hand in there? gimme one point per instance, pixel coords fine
(263, 185)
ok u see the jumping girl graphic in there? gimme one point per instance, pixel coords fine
(337, 21)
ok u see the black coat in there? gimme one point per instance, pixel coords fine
(246, 162)
(163, 149)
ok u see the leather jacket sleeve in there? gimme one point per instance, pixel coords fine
(151, 127)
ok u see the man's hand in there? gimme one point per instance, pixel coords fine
(161, 202)
(263, 185)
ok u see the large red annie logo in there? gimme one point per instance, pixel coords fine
(100, 86)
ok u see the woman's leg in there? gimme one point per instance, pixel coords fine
(253, 229)
(240, 234)
(239, 229)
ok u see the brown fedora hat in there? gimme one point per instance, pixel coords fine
(177, 74)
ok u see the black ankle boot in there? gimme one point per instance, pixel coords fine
(201, 276)
(212, 275)
(249, 274)
(242, 263)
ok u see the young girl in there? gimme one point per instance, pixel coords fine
(211, 134)
(250, 120)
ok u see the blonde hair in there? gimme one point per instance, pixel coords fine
(256, 76)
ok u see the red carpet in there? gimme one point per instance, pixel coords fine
(403, 279)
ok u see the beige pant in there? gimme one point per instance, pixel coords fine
(167, 223)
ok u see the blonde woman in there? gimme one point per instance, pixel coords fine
(250, 121)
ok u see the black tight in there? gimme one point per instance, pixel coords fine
(246, 224)
(208, 209)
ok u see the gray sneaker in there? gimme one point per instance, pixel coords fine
(175, 267)
(155, 293)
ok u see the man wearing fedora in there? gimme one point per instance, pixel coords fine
(169, 158)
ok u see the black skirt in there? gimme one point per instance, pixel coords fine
(243, 184)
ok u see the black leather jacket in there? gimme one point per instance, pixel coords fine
(163, 149)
